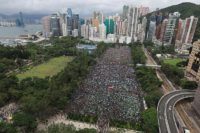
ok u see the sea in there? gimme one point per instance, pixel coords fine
(16, 31)
(9, 34)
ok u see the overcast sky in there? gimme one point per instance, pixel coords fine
(82, 7)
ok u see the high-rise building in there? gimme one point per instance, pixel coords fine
(55, 25)
(163, 29)
(85, 31)
(194, 61)
(125, 12)
(46, 23)
(69, 21)
(75, 21)
(142, 30)
(109, 26)
(133, 16)
(102, 31)
(152, 30)
(21, 19)
(63, 24)
(170, 28)
(189, 30)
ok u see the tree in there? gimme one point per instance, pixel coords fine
(7, 128)
(149, 118)
(153, 98)
(25, 121)
(186, 84)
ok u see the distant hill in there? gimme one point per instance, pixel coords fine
(186, 9)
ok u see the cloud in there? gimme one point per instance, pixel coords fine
(82, 7)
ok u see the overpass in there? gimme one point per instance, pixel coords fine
(166, 112)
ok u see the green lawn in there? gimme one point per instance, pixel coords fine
(173, 61)
(49, 68)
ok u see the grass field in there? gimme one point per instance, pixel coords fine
(49, 68)
(173, 61)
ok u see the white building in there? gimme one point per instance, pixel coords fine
(102, 31)
(133, 16)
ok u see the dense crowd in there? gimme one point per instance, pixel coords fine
(110, 90)
(7, 111)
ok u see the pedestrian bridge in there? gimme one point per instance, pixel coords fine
(149, 65)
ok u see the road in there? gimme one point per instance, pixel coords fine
(183, 118)
(166, 118)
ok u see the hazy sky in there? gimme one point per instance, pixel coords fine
(83, 7)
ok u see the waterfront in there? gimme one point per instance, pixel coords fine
(14, 32)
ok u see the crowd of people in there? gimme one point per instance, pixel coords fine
(7, 111)
(110, 89)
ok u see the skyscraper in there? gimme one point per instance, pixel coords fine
(63, 24)
(46, 23)
(69, 21)
(189, 30)
(152, 30)
(170, 28)
(163, 29)
(133, 16)
(125, 12)
(21, 19)
(102, 31)
(55, 25)
(109, 26)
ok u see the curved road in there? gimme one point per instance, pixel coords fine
(166, 118)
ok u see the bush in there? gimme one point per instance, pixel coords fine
(191, 85)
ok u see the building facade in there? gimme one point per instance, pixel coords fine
(194, 61)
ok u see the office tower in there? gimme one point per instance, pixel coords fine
(55, 25)
(102, 31)
(69, 12)
(194, 61)
(170, 28)
(75, 21)
(69, 21)
(163, 29)
(46, 23)
(63, 24)
(125, 12)
(133, 16)
(21, 19)
(189, 30)
(109, 26)
(151, 31)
